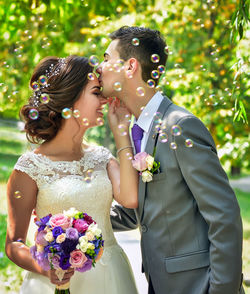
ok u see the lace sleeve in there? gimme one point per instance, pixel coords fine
(27, 165)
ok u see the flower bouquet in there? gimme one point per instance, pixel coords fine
(68, 239)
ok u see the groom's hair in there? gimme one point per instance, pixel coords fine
(150, 42)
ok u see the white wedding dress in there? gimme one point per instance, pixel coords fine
(66, 184)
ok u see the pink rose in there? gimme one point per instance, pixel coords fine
(139, 161)
(80, 225)
(60, 220)
(77, 258)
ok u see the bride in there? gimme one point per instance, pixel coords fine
(62, 172)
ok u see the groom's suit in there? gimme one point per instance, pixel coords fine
(189, 218)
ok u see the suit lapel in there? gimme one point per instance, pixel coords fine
(151, 143)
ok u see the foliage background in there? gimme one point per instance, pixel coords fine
(207, 68)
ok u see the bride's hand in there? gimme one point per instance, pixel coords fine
(118, 114)
(66, 278)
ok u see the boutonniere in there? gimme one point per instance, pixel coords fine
(146, 165)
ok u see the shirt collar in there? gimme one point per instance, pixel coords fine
(145, 119)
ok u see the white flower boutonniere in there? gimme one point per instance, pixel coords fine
(146, 165)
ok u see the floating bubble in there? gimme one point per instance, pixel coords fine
(189, 143)
(135, 42)
(87, 180)
(85, 121)
(91, 76)
(66, 113)
(43, 80)
(176, 130)
(117, 86)
(44, 98)
(142, 108)
(163, 137)
(157, 117)
(93, 60)
(161, 69)
(129, 156)
(158, 128)
(155, 74)
(128, 117)
(89, 173)
(33, 114)
(119, 65)
(100, 121)
(109, 66)
(151, 83)
(122, 129)
(155, 58)
(76, 113)
(129, 74)
(140, 91)
(17, 194)
(35, 86)
(166, 50)
(173, 145)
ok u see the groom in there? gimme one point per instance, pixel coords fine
(189, 218)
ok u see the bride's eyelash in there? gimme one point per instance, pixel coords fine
(97, 93)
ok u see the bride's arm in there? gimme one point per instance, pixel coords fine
(124, 178)
(21, 199)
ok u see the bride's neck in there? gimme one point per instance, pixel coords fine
(68, 142)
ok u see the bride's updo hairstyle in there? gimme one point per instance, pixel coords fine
(57, 84)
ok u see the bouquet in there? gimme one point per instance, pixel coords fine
(68, 239)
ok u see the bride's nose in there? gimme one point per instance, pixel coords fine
(99, 69)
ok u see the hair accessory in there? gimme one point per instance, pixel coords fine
(38, 86)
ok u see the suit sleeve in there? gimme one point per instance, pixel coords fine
(123, 219)
(205, 177)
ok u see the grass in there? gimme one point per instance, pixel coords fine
(12, 145)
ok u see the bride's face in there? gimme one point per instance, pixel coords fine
(88, 109)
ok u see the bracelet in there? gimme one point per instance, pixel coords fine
(119, 150)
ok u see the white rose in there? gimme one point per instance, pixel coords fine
(49, 237)
(83, 246)
(90, 236)
(71, 212)
(61, 238)
(147, 176)
(93, 228)
(150, 161)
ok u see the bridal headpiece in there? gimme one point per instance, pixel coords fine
(42, 97)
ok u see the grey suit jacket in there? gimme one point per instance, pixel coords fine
(189, 218)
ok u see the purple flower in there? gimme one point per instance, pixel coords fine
(72, 233)
(42, 260)
(52, 247)
(40, 238)
(69, 245)
(33, 251)
(64, 262)
(43, 222)
(54, 259)
(86, 267)
(57, 231)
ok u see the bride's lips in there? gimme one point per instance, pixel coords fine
(99, 111)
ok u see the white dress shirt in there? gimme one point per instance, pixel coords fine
(145, 120)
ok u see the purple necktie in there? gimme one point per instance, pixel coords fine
(137, 134)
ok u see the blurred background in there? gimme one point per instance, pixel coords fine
(206, 72)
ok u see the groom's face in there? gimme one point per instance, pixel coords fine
(111, 71)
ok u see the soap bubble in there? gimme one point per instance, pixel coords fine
(140, 91)
(85, 121)
(155, 58)
(91, 76)
(35, 86)
(33, 114)
(66, 113)
(135, 42)
(163, 137)
(173, 145)
(155, 74)
(151, 83)
(119, 65)
(42, 80)
(176, 130)
(161, 69)
(100, 121)
(93, 60)
(17, 194)
(189, 143)
(89, 173)
(76, 113)
(117, 86)
(122, 129)
(44, 98)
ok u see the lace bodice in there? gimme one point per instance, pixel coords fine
(83, 184)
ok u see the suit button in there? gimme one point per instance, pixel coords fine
(144, 228)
